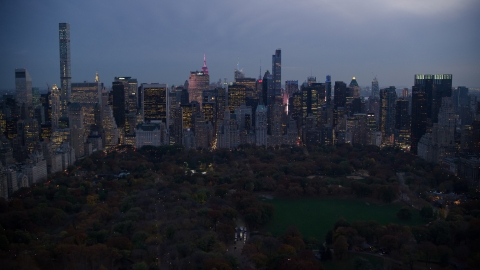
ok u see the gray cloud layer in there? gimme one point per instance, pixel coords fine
(161, 41)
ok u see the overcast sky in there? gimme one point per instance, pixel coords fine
(162, 41)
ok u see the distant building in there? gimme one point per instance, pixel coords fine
(77, 132)
(203, 131)
(23, 89)
(388, 97)
(152, 133)
(419, 116)
(375, 89)
(277, 72)
(268, 91)
(155, 102)
(355, 88)
(65, 154)
(261, 126)
(86, 93)
(35, 168)
(402, 124)
(65, 72)
(435, 87)
(236, 96)
(228, 136)
(440, 143)
(198, 82)
(110, 133)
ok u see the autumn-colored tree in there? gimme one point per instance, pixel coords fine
(340, 247)
(259, 259)
(409, 255)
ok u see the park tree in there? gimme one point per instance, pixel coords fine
(340, 247)
(362, 264)
(426, 212)
(341, 222)
(409, 256)
(286, 250)
(259, 259)
(439, 232)
(427, 251)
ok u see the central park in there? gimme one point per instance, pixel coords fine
(342, 207)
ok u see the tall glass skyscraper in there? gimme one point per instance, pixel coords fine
(23, 87)
(277, 72)
(65, 74)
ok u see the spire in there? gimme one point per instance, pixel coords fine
(204, 68)
(260, 75)
(97, 79)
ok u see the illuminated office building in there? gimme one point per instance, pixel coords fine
(250, 85)
(236, 96)
(155, 102)
(86, 93)
(198, 82)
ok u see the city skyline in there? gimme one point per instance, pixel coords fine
(164, 42)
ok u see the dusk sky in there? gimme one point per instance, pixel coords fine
(162, 41)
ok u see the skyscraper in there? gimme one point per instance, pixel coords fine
(419, 116)
(375, 88)
(23, 88)
(268, 91)
(261, 126)
(155, 102)
(118, 91)
(442, 88)
(435, 87)
(55, 105)
(277, 71)
(388, 96)
(355, 88)
(198, 82)
(328, 89)
(402, 124)
(340, 94)
(236, 96)
(65, 73)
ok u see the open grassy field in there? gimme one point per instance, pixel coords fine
(314, 217)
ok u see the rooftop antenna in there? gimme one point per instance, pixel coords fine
(260, 75)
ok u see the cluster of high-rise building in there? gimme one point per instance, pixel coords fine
(46, 133)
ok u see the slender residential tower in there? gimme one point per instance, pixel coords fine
(65, 74)
(277, 72)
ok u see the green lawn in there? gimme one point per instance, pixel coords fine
(314, 217)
